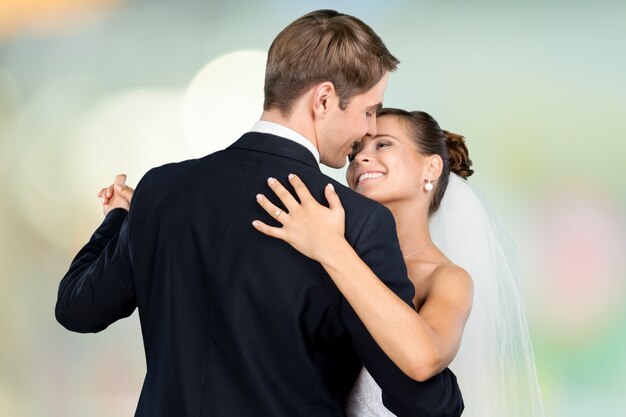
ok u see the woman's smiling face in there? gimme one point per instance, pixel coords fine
(386, 167)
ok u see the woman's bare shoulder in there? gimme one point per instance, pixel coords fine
(452, 271)
(451, 279)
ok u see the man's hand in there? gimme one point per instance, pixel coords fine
(116, 195)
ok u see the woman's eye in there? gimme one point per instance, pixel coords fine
(382, 145)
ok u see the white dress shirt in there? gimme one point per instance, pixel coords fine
(263, 126)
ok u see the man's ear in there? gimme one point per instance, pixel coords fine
(323, 94)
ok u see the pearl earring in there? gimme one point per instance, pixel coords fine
(428, 186)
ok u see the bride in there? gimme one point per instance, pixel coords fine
(418, 172)
(448, 237)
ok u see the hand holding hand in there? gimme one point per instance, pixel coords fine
(116, 195)
(311, 228)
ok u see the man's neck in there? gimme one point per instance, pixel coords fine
(297, 124)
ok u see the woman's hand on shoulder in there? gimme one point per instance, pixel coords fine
(311, 228)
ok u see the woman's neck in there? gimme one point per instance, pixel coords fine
(411, 225)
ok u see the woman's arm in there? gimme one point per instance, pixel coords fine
(420, 344)
(445, 311)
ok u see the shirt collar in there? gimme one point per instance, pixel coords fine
(263, 126)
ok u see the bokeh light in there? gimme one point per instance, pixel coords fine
(580, 260)
(231, 81)
(49, 16)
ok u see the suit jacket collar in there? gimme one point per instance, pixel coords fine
(276, 145)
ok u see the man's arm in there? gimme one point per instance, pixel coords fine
(98, 288)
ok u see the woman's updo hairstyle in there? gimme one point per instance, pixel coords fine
(432, 140)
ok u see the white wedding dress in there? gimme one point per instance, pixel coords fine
(366, 400)
(495, 365)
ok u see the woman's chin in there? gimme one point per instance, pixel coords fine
(370, 192)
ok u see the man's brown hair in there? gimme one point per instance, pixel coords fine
(324, 46)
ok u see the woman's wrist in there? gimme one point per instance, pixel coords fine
(334, 254)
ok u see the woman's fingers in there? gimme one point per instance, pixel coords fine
(310, 227)
(333, 199)
(301, 190)
(276, 213)
(105, 194)
(119, 185)
(120, 179)
(276, 232)
(281, 192)
(271, 208)
(125, 191)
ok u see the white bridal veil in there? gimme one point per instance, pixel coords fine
(495, 365)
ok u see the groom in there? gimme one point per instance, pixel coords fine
(236, 323)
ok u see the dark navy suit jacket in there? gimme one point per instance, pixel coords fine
(236, 323)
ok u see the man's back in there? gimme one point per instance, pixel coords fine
(251, 314)
(236, 323)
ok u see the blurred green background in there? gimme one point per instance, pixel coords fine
(90, 88)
